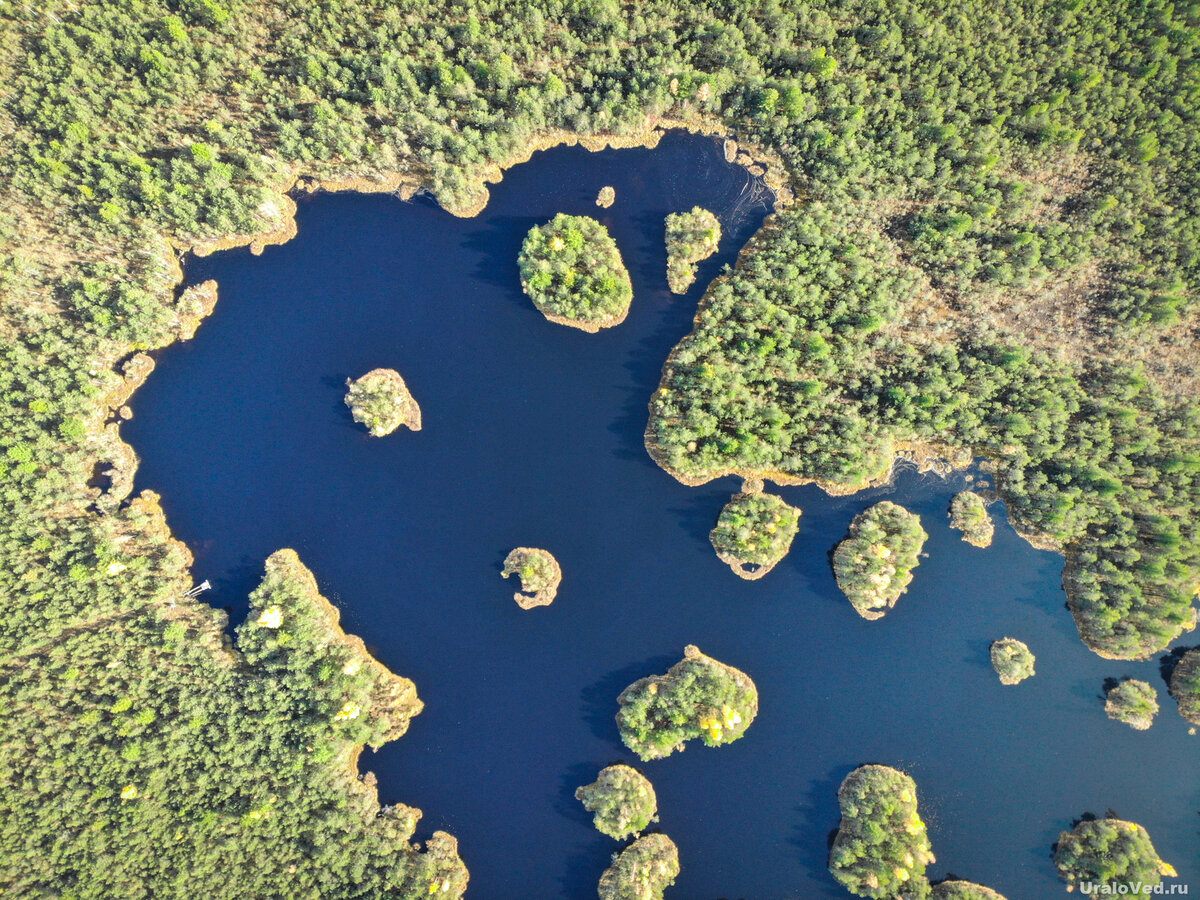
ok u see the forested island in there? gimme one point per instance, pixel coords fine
(997, 251)
(1133, 702)
(572, 270)
(1012, 660)
(622, 799)
(969, 514)
(754, 532)
(881, 848)
(643, 871)
(691, 238)
(1185, 685)
(874, 563)
(698, 698)
(1109, 852)
(381, 401)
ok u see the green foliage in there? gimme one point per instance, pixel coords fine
(537, 570)
(881, 848)
(622, 799)
(643, 871)
(755, 529)
(963, 890)
(998, 147)
(1012, 660)
(147, 740)
(698, 698)
(1133, 702)
(1185, 685)
(969, 514)
(874, 564)
(572, 269)
(381, 401)
(1108, 852)
(691, 237)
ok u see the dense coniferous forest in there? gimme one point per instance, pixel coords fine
(992, 247)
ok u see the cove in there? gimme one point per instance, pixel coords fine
(532, 436)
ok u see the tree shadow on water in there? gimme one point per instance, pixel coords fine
(498, 244)
(821, 815)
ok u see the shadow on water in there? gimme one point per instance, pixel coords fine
(819, 815)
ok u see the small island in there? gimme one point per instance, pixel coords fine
(698, 698)
(540, 576)
(1185, 685)
(881, 848)
(572, 270)
(1109, 852)
(381, 401)
(754, 532)
(969, 514)
(874, 564)
(691, 237)
(1012, 660)
(622, 799)
(1133, 702)
(963, 890)
(643, 871)
(607, 197)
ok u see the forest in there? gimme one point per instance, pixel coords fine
(993, 249)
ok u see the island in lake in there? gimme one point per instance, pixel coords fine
(697, 698)
(963, 890)
(540, 576)
(691, 238)
(607, 196)
(572, 270)
(874, 564)
(882, 847)
(1185, 685)
(622, 800)
(1012, 660)
(643, 871)
(969, 514)
(1109, 852)
(754, 532)
(1133, 702)
(381, 401)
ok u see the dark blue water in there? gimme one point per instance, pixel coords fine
(533, 436)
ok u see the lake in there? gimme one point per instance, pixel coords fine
(533, 437)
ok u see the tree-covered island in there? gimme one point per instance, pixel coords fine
(622, 799)
(963, 890)
(1012, 660)
(874, 564)
(381, 401)
(691, 238)
(572, 270)
(1109, 852)
(540, 576)
(881, 848)
(643, 871)
(1133, 702)
(1185, 685)
(969, 514)
(754, 532)
(607, 196)
(697, 698)
(997, 250)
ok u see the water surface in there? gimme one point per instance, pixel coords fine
(533, 436)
